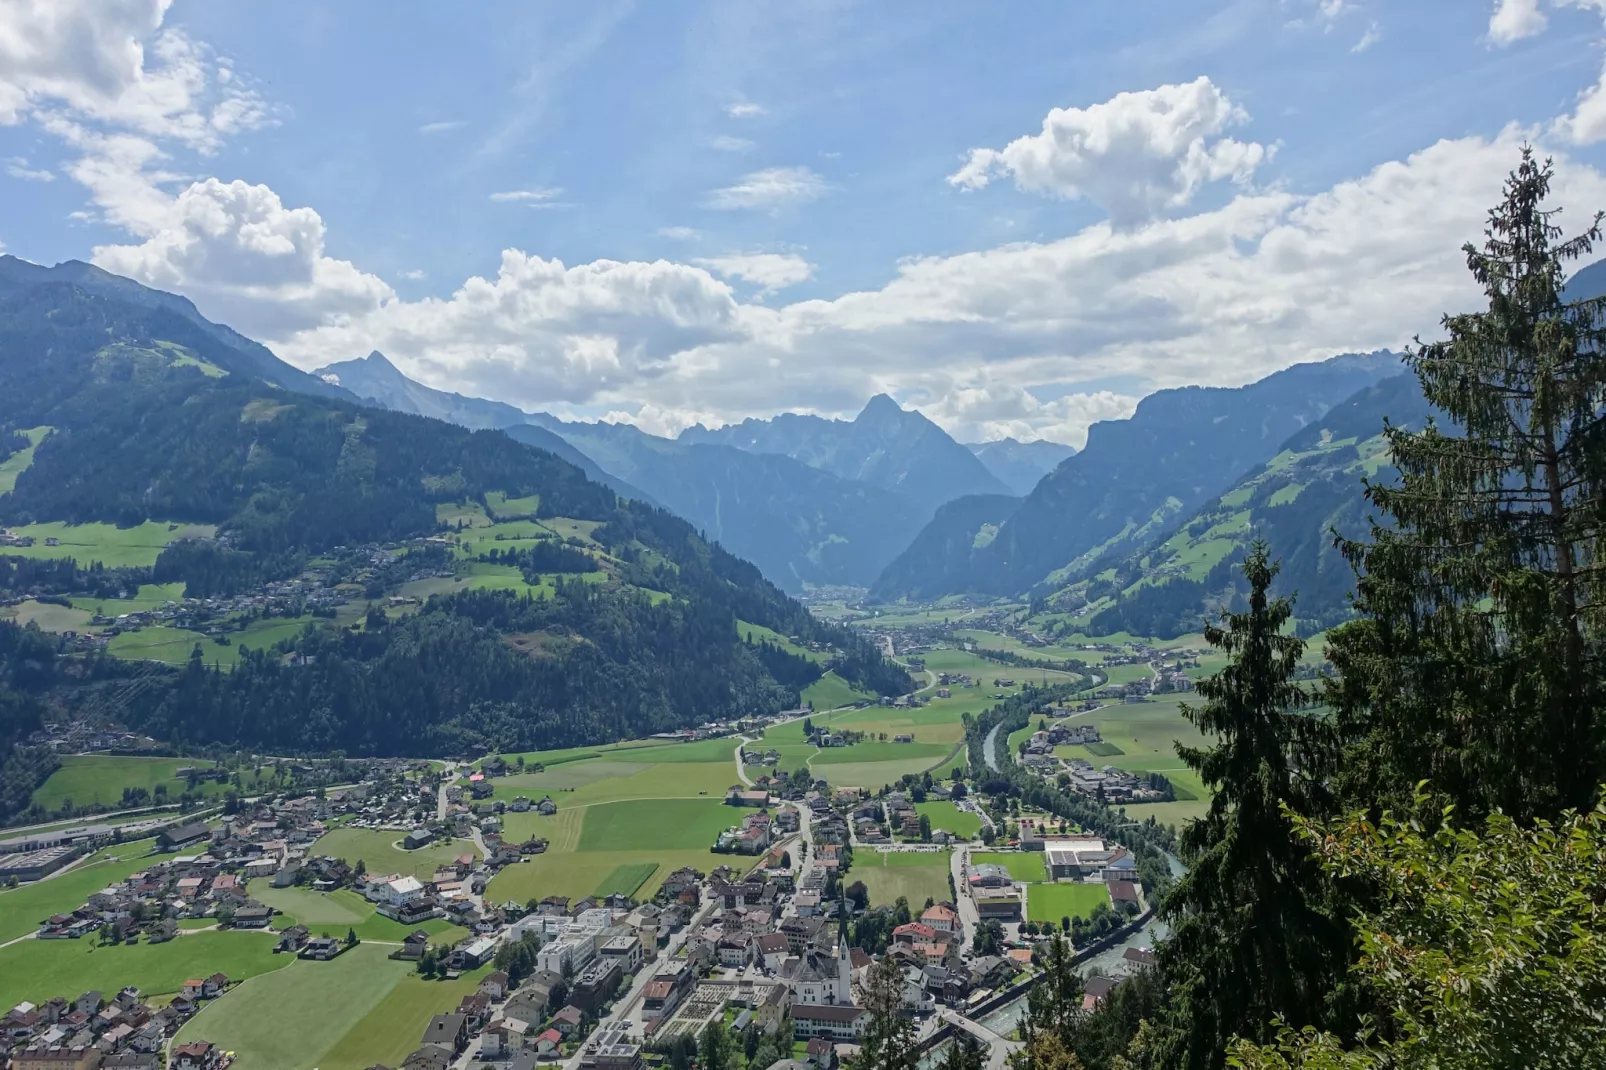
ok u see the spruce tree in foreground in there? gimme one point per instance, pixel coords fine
(1476, 664)
(1253, 939)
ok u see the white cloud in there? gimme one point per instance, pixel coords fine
(247, 260)
(109, 62)
(542, 333)
(1373, 34)
(679, 233)
(773, 187)
(526, 195)
(1587, 124)
(768, 271)
(725, 143)
(443, 127)
(413, 275)
(1515, 19)
(17, 167)
(1137, 154)
(745, 109)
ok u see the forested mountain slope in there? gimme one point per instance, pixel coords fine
(146, 414)
(1136, 477)
(1311, 488)
(946, 549)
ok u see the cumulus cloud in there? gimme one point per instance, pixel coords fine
(768, 271)
(248, 260)
(1138, 155)
(745, 109)
(773, 187)
(726, 143)
(541, 332)
(1373, 34)
(110, 62)
(1515, 19)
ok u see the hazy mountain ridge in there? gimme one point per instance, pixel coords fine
(1020, 465)
(885, 445)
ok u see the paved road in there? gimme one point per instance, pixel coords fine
(736, 756)
(999, 1049)
(958, 859)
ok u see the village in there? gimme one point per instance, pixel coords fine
(780, 942)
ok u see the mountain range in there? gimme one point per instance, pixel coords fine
(811, 501)
(594, 618)
(1134, 479)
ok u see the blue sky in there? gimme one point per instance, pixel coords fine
(705, 211)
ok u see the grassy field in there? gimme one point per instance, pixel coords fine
(650, 824)
(617, 810)
(1051, 902)
(831, 691)
(112, 546)
(627, 879)
(37, 970)
(376, 848)
(945, 815)
(19, 462)
(149, 596)
(101, 778)
(757, 633)
(172, 646)
(916, 875)
(47, 615)
(337, 911)
(22, 909)
(390, 1031)
(322, 1014)
(1022, 865)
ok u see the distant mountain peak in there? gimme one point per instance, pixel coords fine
(881, 408)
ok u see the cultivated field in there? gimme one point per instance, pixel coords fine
(336, 1015)
(916, 875)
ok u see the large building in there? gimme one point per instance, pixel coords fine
(1077, 857)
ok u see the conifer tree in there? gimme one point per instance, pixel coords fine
(1476, 663)
(889, 1038)
(1252, 939)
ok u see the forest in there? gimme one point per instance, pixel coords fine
(1405, 865)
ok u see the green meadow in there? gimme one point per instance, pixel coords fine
(112, 546)
(915, 875)
(1051, 902)
(101, 778)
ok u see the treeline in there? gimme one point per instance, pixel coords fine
(27, 669)
(65, 577)
(547, 557)
(1404, 865)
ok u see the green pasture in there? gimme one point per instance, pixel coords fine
(916, 875)
(322, 1014)
(627, 879)
(504, 508)
(37, 970)
(149, 596)
(653, 824)
(945, 815)
(831, 691)
(48, 616)
(1051, 902)
(101, 778)
(22, 460)
(379, 853)
(112, 546)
